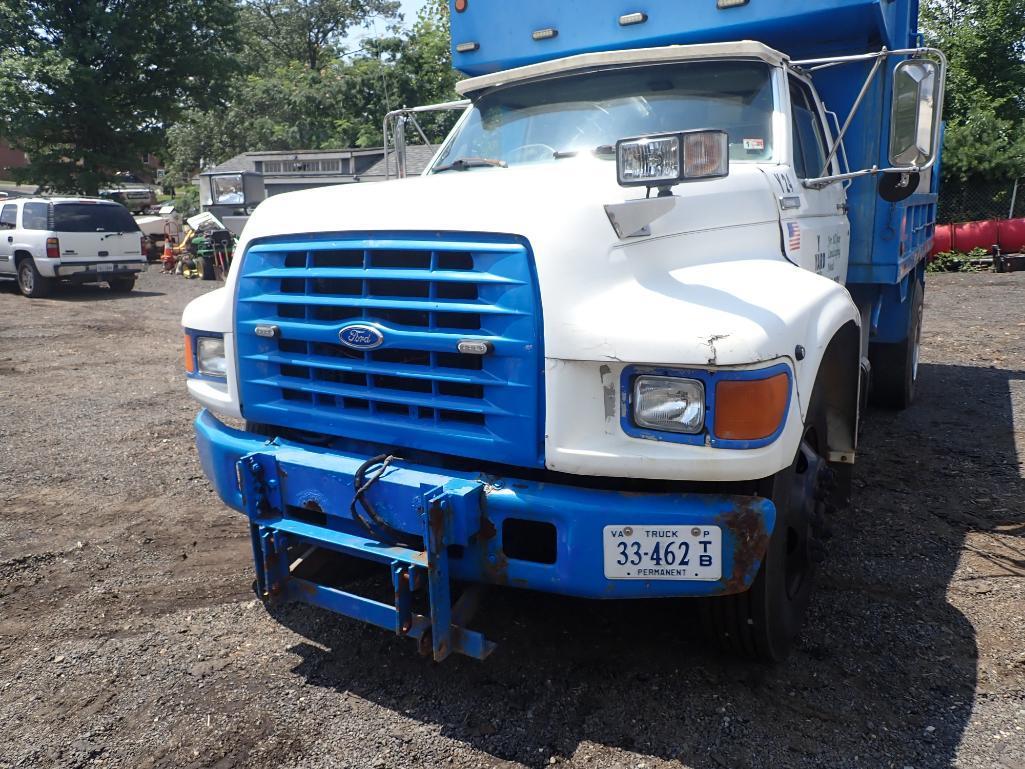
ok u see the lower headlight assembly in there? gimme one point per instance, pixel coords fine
(669, 404)
(210, 356)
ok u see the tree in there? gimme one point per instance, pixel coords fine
(307, 31)
(984, 41)
(401, 72)
(88, 87)
(283, 102)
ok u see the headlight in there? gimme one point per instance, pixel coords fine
(669, 404)
(666, 160)
(210, 356)
(649, 161)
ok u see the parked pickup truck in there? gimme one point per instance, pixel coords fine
(614, 343)
(77, 240)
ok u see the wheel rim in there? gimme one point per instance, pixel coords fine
(27, 279)
(804, 496)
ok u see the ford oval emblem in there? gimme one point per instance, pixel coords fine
(361, 337)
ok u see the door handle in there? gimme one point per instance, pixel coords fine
(10, 238)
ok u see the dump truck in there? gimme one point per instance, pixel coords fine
(616, 341)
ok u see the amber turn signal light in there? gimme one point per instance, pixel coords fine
(190, 355)
(750, 409)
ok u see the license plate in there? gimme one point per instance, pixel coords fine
(663, 552)
(104, 268)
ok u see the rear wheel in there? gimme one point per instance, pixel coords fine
(764, 622)
(895, 366)
(121, 285)
(31, 283)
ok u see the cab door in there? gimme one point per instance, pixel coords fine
(815, 229)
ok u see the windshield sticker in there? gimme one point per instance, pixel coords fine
(754, 145)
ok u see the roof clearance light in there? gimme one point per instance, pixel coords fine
(467, 47)
(461, 5)
(730, 3)
(630, 19)
(548, 33)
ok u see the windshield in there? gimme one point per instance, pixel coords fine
(92, 217)
(546, 120)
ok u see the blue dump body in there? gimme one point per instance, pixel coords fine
(888, 241)
(800, 28)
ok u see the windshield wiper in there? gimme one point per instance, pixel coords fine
(465, 164)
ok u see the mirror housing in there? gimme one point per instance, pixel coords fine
(915, 113)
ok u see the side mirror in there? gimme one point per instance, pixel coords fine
(915, 116)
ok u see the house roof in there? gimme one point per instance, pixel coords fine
(418, 157)
(239, 163)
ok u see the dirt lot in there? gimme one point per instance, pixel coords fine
(129, 636)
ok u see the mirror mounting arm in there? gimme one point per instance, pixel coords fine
(883, 55)
(811, 65)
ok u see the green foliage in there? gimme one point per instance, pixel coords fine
(309, 32)
(89, 86)
(302, 92)
(956, 261)
(187, 200)
(985, 100)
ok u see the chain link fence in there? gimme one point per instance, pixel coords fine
(981, 201)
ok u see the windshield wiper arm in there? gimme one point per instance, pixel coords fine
(464, 164)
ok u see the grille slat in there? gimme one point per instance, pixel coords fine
(382, 395)
(308, 300)
(440, 276)
(432, 373)
(424, 294)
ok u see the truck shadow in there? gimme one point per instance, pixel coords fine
(885, 670)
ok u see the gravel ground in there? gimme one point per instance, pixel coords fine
(129, 636)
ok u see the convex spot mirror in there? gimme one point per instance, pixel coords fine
(915, 117)
(894, 188)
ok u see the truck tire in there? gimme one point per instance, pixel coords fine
(31, 283)
(122, 285)
(895, 366)
(763, 623)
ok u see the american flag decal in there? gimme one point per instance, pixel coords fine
(794, 231)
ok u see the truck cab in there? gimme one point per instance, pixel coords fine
(614, 343)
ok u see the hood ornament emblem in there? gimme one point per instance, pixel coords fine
(359, 336)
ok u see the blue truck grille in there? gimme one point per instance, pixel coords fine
(424, 294)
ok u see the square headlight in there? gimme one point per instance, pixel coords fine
(669, 404)
(210, 356)
(650, 161)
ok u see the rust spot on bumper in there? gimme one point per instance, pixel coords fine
(493, 562)
(746, 524)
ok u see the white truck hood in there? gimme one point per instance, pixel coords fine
(709, 285)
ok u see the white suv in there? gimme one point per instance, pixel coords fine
(81, 240)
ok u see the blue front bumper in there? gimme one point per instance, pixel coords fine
(303, 492)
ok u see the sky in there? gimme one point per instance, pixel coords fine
(410, 8)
